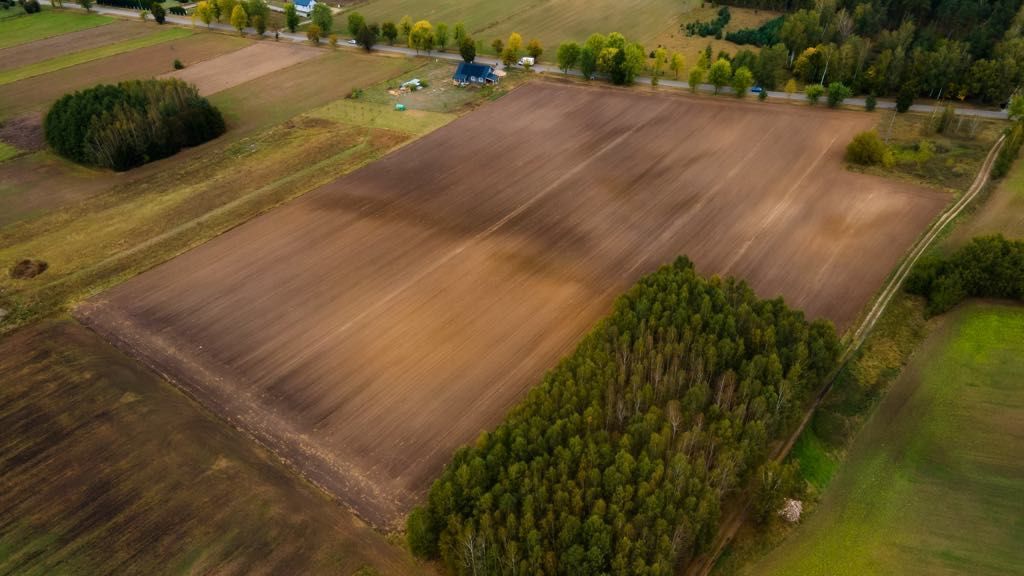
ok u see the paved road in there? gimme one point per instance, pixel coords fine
(544, 68)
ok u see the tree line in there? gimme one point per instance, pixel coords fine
(987, 267)
(125, 125)
(619, 460)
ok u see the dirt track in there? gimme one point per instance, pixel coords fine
(234, 68)
(368, 329)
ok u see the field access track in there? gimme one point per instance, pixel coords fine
(369, 328)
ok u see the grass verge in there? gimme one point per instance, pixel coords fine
(75, 58)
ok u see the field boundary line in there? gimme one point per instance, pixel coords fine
(738, 517)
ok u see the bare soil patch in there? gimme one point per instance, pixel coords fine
(23, 132)
(31, 52)
(243, 65)
(28, 268)
(369, 328)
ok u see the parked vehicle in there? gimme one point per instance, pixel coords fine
(526, 61)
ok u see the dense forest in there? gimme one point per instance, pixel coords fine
(131, 123)
(988, 267)
(953, 49)
(619, 460)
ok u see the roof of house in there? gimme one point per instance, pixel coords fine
(468, 70)
(303, 2)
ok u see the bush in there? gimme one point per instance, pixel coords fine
(813, 93)
(870, 102)
(159, 14)
(669, 404)
(988, 267)
(31, 6)
(132, 123)
(905, 99)
(177, 11)
(866, 149)
(1011, 148)
(837, 92)
(178, 65)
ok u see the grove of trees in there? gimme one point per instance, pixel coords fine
(617, 463)
(987, 267)
(131, 123)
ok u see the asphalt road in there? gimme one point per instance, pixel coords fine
(547, 68)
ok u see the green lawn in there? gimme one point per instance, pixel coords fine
(1002, 213)
(75, 58)
(370, 115)
(15, 29)
(934, 483)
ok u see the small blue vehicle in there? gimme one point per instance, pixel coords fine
(757, 89)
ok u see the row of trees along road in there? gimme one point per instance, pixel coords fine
(619, 460)
(954, 49)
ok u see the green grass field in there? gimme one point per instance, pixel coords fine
(372, 115)
(75, 58)
(16, 27)
(934, 483)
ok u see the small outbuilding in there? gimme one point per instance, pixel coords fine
(304, 7)
(472, 73)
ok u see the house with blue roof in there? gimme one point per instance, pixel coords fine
(472, 73)
(304, 7)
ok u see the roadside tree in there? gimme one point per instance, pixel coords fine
(467, 49)
(568, 56)
(422, 36)
(367, 35)
(291, 17)
(514, 45)
(204, 11)
(159, 14)
(677, 64)
(534, 49)
(742, 80)
(813, 93)
(837, 92)
(355, 23)
(590, 53)
(441, 36)
(389, 31)
(405, 26)
(322, 17)
(720, 74)
(696, 78)
(313, 33)
(239, 19)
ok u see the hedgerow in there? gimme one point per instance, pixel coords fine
(988, 267)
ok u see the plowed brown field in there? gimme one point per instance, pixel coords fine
(371, 327)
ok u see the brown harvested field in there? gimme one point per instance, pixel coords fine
(24, 54)
(369, 328)
(243, 65)
(37, 93)
(107, 469)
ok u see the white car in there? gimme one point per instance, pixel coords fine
(353, 42)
